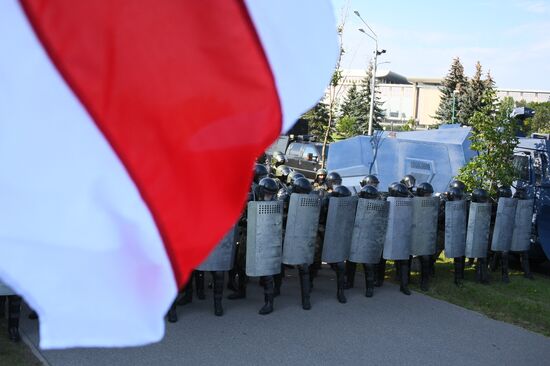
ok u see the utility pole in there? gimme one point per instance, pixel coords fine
(374, 67)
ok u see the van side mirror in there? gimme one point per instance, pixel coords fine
(310, 156)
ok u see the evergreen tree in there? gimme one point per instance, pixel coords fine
(378, 112)
(454, 81)
(318, 120)
(472, 100)
(493, 137)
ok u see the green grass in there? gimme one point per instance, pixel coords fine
(14, 354)
(523, 302)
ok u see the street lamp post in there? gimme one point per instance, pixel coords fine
(374, 67)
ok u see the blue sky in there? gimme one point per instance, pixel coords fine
(511, 38)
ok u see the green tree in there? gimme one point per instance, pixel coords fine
(346, 127)
(454, 81)
(472, 100)
(318, 120)
(540, 122)
(493, 137)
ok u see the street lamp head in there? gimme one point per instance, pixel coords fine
(357, 13)
(362, 30)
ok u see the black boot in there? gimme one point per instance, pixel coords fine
(199, 284)
(268, 295)
(350, 274)
(483, 271)
(458, 270)
(278, 279)
(172, 313)
(432, 265)
(404, 276)
(425, 272)
(339, 268)
(241, 287)
(218, 277)
(525, 265)
(380, 273)
(232, 274)
(504, 261)
(303, 272)
(312, 274)
(397, 270)
(463, 266)
(186, 294)
(14, 311)
(369, 270)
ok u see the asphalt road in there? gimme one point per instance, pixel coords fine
(389, 328)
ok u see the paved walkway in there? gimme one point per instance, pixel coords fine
(389, 329)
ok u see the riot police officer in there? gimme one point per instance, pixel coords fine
(267, 191)
(410, 182)
(277, 159)
(369, 180)
(425, 215)
(293, 175)
(296, 249)
(455, 231)
(477, 237)
(281, 174)
(521, 238)
(397, 245)
(319, 183)
(503, 229)
(333, 179)
(368, 235)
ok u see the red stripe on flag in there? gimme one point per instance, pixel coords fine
(183, 93)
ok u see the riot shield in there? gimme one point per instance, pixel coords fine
(521, 237)
(223, 255)
(479, 228)
(339, 229)
(264, 238)
(369, 231)
(455, 229)
(397, 244)
(504, 224)
(424, 227)
(301, 229)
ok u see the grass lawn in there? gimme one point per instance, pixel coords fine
(523, 302)
(14, 354)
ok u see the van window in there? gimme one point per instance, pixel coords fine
(294, 149)
(310, 149)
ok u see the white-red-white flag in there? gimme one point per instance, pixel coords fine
(128, 132)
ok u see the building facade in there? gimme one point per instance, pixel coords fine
(417, 99)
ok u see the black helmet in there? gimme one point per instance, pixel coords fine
(479, 195)
(283, 195)
(369, 180)
(292, 176)
(267, 185)
(301, 185)
(282, 172)
(520, 194)
(278, 159)
(333, 179)
(424, 190)
(457, 184)
(398, 190)
(260, 171)
(455, 194)
(369, 192)
(409, 181)
(341, 191)
(504, 192)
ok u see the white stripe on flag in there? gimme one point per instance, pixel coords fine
(299, 39)
(76, 238)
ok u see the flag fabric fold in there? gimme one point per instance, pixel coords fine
(128, 130)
